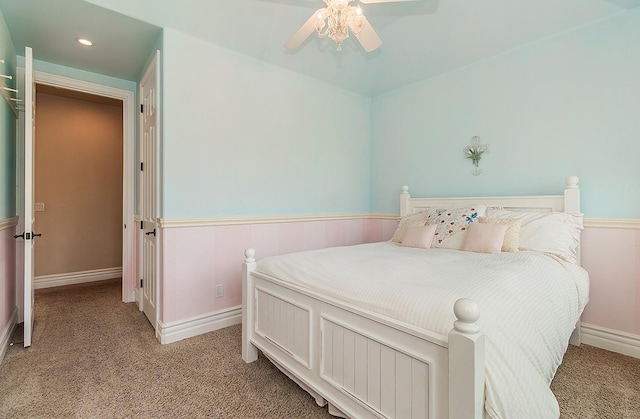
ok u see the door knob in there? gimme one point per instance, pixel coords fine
(27, 236)
(151, 232)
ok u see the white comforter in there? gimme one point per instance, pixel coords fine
(529, 304)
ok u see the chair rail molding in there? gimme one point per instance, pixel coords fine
(8, 222)
(621, 223)
(624, 223)
(222, 221)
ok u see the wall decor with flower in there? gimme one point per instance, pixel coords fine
(474, 152)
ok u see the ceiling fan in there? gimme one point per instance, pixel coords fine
(336, 21)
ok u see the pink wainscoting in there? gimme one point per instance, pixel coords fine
(7, 277)
(612, 258)
(197, 259)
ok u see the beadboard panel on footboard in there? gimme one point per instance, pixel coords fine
(285, 324)
(387, 380)
(340, 356)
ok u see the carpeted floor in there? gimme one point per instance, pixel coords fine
(95, 357)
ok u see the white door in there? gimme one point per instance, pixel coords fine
(27, 215)
(148, 187)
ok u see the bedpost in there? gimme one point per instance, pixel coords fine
(572, 195)
(466, 363)
(404, 201)
(249, 352)
(572, 204)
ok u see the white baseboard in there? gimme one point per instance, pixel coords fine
(5, 337)
(611, 340)
(132, 298)
(136, 297)
(72, 278)
(175, 331)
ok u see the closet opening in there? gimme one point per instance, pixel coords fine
(78, 185)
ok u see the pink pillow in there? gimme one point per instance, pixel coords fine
(419, 236)
(484, 238)
(512, 236)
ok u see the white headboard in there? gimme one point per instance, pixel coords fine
(569, 201)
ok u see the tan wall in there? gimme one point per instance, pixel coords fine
(78, 176)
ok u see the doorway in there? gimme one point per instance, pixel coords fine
(78, 187)
(127, 98)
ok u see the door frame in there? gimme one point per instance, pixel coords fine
(129, 259)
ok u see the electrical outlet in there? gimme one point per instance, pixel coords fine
(219, 291)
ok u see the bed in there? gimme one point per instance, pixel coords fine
(400, 330)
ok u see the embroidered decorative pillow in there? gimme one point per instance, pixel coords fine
(452, 225)
(412, 220)
(419, 236)
(557, 233)
(484, 238)
(511, 241)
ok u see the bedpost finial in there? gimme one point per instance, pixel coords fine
(467, 312)
(572, 182)
(249, 255)
(405, 189)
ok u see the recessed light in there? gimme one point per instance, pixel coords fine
(84, 41)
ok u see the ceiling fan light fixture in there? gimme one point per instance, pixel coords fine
(357, 21)
(85, 42)
(338, 20)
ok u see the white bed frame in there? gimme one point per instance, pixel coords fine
(367, 365)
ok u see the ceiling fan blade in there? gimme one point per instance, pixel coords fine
(303, 33)
(382, 1)
(368, 37)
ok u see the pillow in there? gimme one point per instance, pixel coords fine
(484, 238)
(557, 233)
(417, 219)
(452, 225)
(511, 241)
(419, 236)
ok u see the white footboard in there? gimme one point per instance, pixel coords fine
(361, 363)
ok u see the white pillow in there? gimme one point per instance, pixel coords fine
(557, 233)
(412, 220)
(419, 236)
(452, 225)
(484, 237)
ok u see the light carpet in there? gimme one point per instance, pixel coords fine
(96, 357)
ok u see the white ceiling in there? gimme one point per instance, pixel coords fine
(421, 39)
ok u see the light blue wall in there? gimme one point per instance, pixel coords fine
(74, 73)
(562, 106)
(7, 128)
(242, 137)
